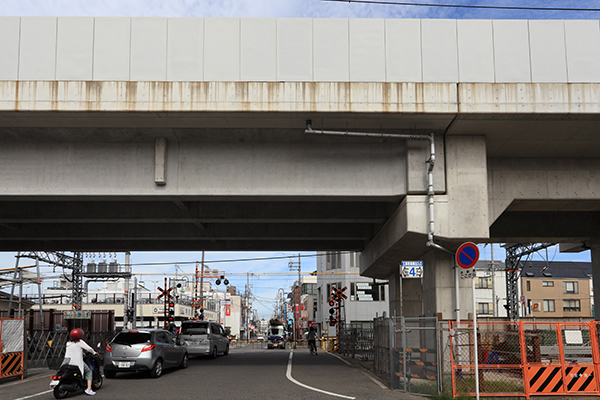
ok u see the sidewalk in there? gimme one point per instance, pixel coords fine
(31, 373)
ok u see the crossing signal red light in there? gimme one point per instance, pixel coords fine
(331, 303)
(171, 304)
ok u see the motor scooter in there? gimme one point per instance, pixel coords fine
(68, 378)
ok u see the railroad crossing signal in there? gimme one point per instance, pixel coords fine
(165, 292)
(169, 306)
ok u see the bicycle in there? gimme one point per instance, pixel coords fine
(312, 346)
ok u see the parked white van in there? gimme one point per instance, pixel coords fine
(204, 338)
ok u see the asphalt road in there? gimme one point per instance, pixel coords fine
(243, 374)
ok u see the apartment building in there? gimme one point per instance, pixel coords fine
(366, 298)
(555, 289)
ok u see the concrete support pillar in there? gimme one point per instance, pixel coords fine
(412, 297)
(406, 297)
(595, 252)
(434, 294)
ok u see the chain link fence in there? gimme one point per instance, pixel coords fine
(407, 354)
(357, 342)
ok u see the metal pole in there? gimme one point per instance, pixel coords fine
(126, 299)
(300, 301)
(202, 284)
(403, 333)
(134, 303)
(20, 315)
(12, 290)
(246, 329)
(401, 300)
(39, 285)
(494, 284)
(475, 339)
(457, 292)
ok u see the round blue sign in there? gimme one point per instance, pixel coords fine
(467, 255)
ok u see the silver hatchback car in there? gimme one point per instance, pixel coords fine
(144, 350)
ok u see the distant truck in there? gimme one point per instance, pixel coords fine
(276, 334)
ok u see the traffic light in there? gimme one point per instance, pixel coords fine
(171, 311)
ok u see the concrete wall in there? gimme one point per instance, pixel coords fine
(298, 50)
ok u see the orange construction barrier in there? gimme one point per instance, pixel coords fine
(526, 358)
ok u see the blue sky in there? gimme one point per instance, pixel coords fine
(265, 287)
(294, 8)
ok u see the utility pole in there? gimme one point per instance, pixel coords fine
(296, 306)
(246, 307)
(126, 299)
(202, 286)
(494, 304)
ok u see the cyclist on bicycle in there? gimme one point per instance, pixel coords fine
(312, 340)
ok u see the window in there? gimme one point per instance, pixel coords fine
(528, 286)
(194, 328)
(354, 263)
(571, 306)
(333, 260)
(309, 288)
(483, 283)
(548, 283)
(329, 287)
(549, 305)
(170, 338)
(570, 287)
(484, 308)
(161, 337)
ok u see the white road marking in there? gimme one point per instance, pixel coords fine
(289, 376)
(34, 395)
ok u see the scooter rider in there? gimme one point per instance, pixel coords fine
(74, 353)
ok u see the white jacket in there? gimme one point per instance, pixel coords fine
(75, 353)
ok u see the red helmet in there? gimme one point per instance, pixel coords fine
(76, 334)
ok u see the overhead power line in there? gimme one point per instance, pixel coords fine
(476, 6)
(238, 259)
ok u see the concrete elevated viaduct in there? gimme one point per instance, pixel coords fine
(188, 134)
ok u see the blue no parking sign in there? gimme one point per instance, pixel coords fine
(467, 255)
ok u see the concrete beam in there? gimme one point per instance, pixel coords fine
(229, 96)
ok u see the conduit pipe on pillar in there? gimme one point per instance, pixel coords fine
(431, 163)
